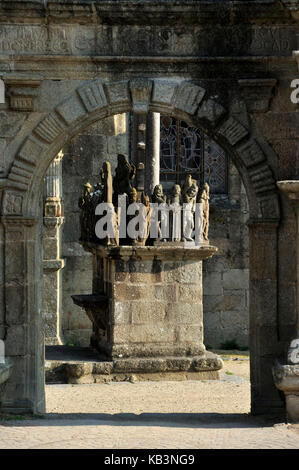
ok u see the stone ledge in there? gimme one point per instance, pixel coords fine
(53, 265)
(161, 252)
(204, 367)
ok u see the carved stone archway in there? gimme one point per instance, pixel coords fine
(20, 215)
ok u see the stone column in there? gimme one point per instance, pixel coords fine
(152, 166)
(265, 345)
(23, 336)
(291, 190)
(139, 138)
(146, 147)
(52, 262)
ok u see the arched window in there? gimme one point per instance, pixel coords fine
(185, 150)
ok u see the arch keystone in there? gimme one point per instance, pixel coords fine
(162, 95)
(141, 92)
(118, 96)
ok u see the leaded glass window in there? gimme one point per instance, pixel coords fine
(184, 149)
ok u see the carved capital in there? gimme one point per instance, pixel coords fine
(12, 203)
(291, 189)
(141, 93)
(296, 55)
(293, 7)
(52, 221)
(22, 92)
(257, 93)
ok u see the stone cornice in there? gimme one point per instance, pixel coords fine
(146, 11)
(160, 251)
(22, 92)
(257, 93)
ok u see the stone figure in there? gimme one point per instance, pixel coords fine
(124, 175)
(204, 199)
(106, 178)
(187, 183)
(176, 194)
(189, 194)
(85, 204)
(176, 213)
(159, 197)
(146, 225)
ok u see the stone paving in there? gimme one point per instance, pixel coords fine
(153, 433)
(212, 414)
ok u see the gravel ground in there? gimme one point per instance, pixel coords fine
(231, 394)
(210, 414)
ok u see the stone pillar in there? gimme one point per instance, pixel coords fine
(265, 345)
(146, 147)
(152, 165)
(286, 376)
(291, 190)
(23, 335)
(52, 262)
(139, 138)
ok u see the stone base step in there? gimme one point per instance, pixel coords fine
(84, 366)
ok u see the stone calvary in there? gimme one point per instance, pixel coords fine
(146, 305)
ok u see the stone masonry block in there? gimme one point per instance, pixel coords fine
(154, 333)
(190, 291)
(178, 312)
(236, 279)
(190, 333)
(15, 344)
(122, 312)
(147, 312)
(212, 284)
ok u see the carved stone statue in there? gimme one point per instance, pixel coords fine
(145, 228)
(85, 204)
(204, 199)
(189, 194)
(176, 194)
(124, 174)
(175, 214)
(159, 197)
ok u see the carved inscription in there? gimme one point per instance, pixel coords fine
(147, 40)
(35, 39)
(271, 40)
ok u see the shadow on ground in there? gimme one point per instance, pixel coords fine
(196, 420)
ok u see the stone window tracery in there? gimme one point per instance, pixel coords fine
(186, 149)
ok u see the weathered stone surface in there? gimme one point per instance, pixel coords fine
(233, 131)
(188, 97)
(210, 111)
(197, 41)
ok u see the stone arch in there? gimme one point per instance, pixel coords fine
(20, 212)
(97, 100)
